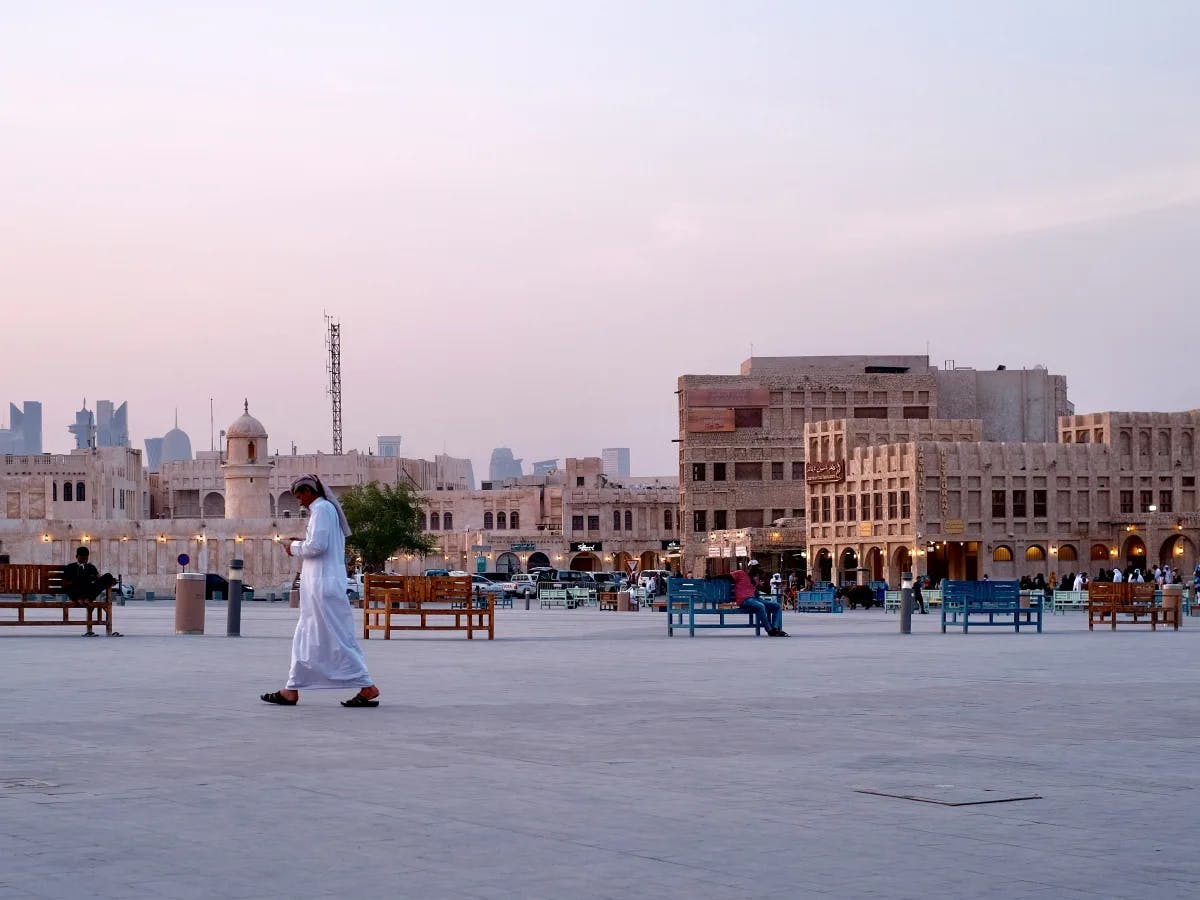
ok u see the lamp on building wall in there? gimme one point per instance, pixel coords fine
(162, 538)
(1053, 550)
(1112, 552)
(45, 538)
(84, 538)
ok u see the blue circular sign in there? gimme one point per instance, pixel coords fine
(184, 559)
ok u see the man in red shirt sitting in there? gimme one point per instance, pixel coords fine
(745, 595)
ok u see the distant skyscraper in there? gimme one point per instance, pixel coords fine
(545, 467)
(24, 434)
(616, 461)
(503, 465)
(174, 446)
(389, 444)
(111, 426)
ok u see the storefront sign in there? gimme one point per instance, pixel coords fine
(524, 547)
(714, 551)
(704, 421)
(954, 526)
(731, 395)
(670, 546)
(481, 548)
(740, 550)
(865, 529)
(824, 472)
(580, 547)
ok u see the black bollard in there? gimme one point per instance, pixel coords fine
(906, 604)
(233, 621)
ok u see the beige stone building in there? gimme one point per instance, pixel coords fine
(868, 467)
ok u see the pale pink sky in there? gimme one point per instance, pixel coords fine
(532, 217)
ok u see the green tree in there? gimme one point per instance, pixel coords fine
(383, 521)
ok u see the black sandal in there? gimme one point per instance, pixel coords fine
(278, 698)
(359, 701)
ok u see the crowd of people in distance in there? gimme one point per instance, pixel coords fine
(1078, 581)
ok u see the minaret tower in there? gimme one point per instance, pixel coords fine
(247, 469)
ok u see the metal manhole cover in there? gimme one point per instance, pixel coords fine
(24, 784)
(954, 795)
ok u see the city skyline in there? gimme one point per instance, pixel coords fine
(539, 217)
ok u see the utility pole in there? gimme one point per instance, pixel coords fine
(333, 345)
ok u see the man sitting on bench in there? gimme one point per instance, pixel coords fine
(746, 596)
(82, 582)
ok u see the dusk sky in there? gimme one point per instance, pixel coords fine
(531, 218)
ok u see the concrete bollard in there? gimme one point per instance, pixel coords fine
(294, 599)
(233, 618)
(906, 604)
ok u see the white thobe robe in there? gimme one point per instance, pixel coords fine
(325, 653)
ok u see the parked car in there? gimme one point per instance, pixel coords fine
(523, 586)
(543, 573)
(609, 581)
(436, 573)
(123, 591)
(571, 578)
(481, 585)
(214, 584)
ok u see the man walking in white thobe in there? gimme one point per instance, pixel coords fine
(325, 653)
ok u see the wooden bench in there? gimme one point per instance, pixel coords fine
(711, 600)
(549, 598)
(38, 588)
(818, 601)
(1127, 603)
(991, 604)
(425, 604)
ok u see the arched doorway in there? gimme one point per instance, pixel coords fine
(874, 564)
(585, 562)
(823, 571)
(214, 506)
(1099, 554)
(901, 563)
(1179, 553)
(848, 565)
(621, 562)
(648, 560)
(1068, 554)
(538, 560)
(508, 563)
(1134, 552)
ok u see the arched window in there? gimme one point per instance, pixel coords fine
(1143, 443)
(447, 521)
(1002, 554)
(1067, 553)
(616, 520)
(1035, 554)
(252, 452)
(435, 522)
(1125, 444)
(501, 520)
(421, 524)
(629, 520)
(514, 520)
(1099, 553)
(488, 521)
(668, 521)
(80, 495)
(1185, 445)
(54, 490)
(1164, 443)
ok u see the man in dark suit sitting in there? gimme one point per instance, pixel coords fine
(82, 582)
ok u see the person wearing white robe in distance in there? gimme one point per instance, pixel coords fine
(325, 652)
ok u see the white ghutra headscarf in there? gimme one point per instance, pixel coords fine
(312, 481)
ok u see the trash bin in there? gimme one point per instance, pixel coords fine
(189, 603)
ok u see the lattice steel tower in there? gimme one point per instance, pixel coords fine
(333, 365)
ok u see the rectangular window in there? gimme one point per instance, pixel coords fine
(720, 519)
(878, 504)
(905, 505)
(747, 471)
(839, 509)
(870, 412)
(815, 515)
(797, 471)
(593, 523)
(916, 412)
(616, 520)
(718, 471)
(865, 507)
(748, 518)
(777, 514)
(578, 481)
(893, 507)
(698, 471)
(699, 520)
(1039, 504)
(1166, 501)
(777, 471)
(825, 508)
(748, 418)
(1147, 499)
(1126, 501)
(851, 510)
(1018, 504)
(1189, 480)
(577, 523)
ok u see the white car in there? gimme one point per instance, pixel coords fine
(519, 585)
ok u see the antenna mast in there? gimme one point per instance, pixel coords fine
(333, 365)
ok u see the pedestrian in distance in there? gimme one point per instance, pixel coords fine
(325, 653)
(918, 598)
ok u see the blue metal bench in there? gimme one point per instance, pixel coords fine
(711, 600)
(825, 601)
(995, 604)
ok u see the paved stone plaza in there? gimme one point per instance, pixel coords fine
(585, 754)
